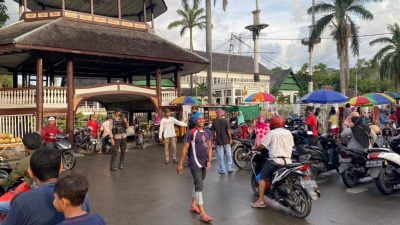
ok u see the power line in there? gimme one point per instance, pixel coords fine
(330, 37)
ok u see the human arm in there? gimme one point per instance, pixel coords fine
(20, 171)
(345, 134)
(179, 123)
(111, 136)
(160, 132)
(209, 154)
(185, 150)
(229, 131)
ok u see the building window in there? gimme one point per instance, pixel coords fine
(227, 101)
(228, 93)
(218, 94)
(238, 92)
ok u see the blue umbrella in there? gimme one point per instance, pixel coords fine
(324, 96)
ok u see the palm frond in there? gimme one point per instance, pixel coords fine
(383, 40)
(361, 11)
(322, 7)
(224, 4)
(182, 13)
(321, 25)
(183, 30)
(379, 55)
(355, 44)
(177, 23)
(386, 66)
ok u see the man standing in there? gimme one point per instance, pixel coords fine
(167, 134)
(192, 123)
(223, 139)
(50, 132)
(105, 131)
(312, 125)
(198, 145)
(118, 136)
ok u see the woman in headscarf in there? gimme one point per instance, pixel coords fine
(262, 129)
(375, 116)
(359, 137)
(348, 121)
(240, 118)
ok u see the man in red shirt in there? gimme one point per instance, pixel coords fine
(94, 125)
(312, 125)
(50, 132)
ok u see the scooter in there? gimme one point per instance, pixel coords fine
(291, 185)
(84, 140)
(384, 166)
(242, 153)
(106, 145)
(62, 144)
(352, 166)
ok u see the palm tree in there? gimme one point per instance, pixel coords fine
(3, 13)
(389, 56)
(191, 17)
(344, 29)
(202, 90)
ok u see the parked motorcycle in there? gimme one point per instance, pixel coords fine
(242, 153)
(84, 140)
(62, 144)
(352, 166)
(139, 136)
(291, 185)
(106, 146)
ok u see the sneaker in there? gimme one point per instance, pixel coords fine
(113, 169)
(175, 161)
(221, 172)
(166, 161)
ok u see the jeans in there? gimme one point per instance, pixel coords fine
(119, 143)
(221, 150)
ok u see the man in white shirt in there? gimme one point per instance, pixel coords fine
(167, 134)
(280, 143)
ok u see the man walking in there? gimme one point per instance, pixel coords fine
(167, 134)
(223, 139)
(118, 136)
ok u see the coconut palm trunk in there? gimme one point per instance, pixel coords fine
(209, 48)
(344, 66)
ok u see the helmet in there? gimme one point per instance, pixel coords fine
(277, 122)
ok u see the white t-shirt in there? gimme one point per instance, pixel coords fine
(280, 143)
(167, 127)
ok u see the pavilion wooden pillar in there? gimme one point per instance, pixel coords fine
(144, 11)
(152, 17)
(39, 94)
(91, 8)
(15, 79)
(63, 4)
(108, 79)
(119, 9)
(130, 79)
(24, 78)
(177, 78)
(158, 89)
(148, 80)
(70, 99)
(52, 82)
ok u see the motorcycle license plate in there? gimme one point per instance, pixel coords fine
(373, 163)
(308, 183)
(345, 160)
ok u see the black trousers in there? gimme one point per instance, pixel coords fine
(198, 178)
(119, 144)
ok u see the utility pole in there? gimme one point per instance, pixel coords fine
(310, 42)
(229, 61)
(209, 49)
(256, 29)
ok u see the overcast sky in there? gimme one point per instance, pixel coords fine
(287, 19)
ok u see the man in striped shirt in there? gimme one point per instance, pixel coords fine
(167, 134)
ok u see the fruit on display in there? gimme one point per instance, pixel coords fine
(6, 138)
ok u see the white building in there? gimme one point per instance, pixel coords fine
(233, 87)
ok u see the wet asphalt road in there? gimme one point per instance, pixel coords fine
(148, 192)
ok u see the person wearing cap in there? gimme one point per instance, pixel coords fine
(50, 132)
(198, 147)
(312, 125)
(280, 143)
(223, 140)
(168, 135)
(118, 136)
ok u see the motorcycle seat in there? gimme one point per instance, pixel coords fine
(378, 150)
(292, 165)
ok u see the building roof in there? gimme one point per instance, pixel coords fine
(284, 80)
(130, 9)
(238, 63)
(65, 35)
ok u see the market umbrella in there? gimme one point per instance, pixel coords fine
(324, 96)
(185, 100)
(380, 98)
(395, 95)
(360, 101)
(260, 97)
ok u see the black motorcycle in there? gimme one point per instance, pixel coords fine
(291, 185)
(352, 166)
(106, 146)
(83, 140)
(241, 151)
(67, 157)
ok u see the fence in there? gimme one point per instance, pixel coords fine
(18, 125)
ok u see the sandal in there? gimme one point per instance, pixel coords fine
(195, 210)
(206, 219)
(257, 205)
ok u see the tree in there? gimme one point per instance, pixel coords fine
(3, 13)
(344, 29)
(191, 17)
(389, 56)
(6, 81)
(202, 88)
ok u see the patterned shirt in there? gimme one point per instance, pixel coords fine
(280, 144)
(199, 144)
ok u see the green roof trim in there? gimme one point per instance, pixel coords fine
(290, 83)
(164, 83)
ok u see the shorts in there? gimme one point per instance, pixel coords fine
(268, 170)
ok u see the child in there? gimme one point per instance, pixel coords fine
(69, 194)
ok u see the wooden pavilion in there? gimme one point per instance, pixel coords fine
(100, 40)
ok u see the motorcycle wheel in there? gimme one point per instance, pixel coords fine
(303, 202)
(90, 148)
(68, 160)
(240, 160)
(384, 182)
(254, 184)
(350, 178)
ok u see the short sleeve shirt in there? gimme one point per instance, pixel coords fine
(87, 219)
(221, 128)
(199, 144)
(312, 121)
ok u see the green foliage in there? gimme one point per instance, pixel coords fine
(282, 99)
(6, 81)
(3, 13)
(202, 90)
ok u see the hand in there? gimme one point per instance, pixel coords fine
(112, 141)
(179, 169)
(231, 142)
(208, 165)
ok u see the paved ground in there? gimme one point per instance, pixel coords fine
(149, 192)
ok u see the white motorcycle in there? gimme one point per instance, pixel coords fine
(384, 168)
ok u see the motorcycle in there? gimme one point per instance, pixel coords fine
(352, 166)
(291, 185)
(67, 158)
(156, 132)
(242, 153)
(106, 145)
(384, 166)
(84, 140)
(139, 137)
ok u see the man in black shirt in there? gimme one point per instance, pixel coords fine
(223, 139)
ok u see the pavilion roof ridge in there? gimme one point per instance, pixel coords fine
(35, 30)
